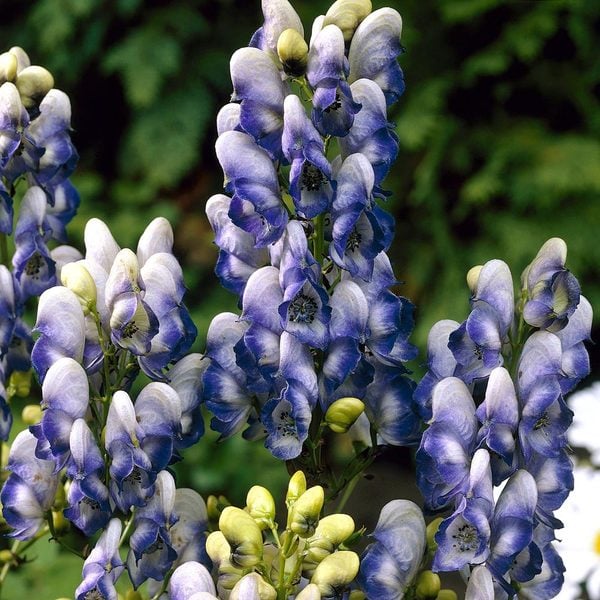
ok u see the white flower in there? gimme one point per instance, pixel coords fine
(584, 431)
(580, 545)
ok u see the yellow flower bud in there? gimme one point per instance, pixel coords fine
(342, 414)
(19, 384)
(60, 498)
(310, 592)
(60, 523)
(229, 576)
(78, 279)
(243, 535)
(292, 50)
(335, 572)
(8, 67)
(212, 508)
(428, 585)
(447, 595)
(253, 586)
(31, 414)
(296, 488)
(217, 547)
(261, 506)
(430, 532)
(21, 56)
(33, 83)
(356, 595)
(6, 556)
(306, 510)
(473, 277)
(133, 595)
(347, 15)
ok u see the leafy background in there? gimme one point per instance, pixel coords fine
(500, 150)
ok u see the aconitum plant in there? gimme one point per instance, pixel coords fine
(317, 354)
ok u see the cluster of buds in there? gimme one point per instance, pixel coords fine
(516, 363)
(305, 145)
(251, 558)
(36, 159)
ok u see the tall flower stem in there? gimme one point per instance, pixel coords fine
(4, 250)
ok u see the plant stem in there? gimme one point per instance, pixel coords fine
(4, 250)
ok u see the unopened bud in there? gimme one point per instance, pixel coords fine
(430, 532)
(347, 15)
(60, 523)
(78, 279)
(342, 414)
(133, 595)
(33, 83)
(253, 586)
(31, 414)
(19, 384)
(243, 535)
(6, 556)
(8, 67)
(447, 595)
(292, 50)
(310, 592)
(356, 595)
(217, 547)
(473, 277)
(296, 487)
(428, 585)
(335, 528)
(306, 510)
(22, 59)
(261, 506)
(335, 572)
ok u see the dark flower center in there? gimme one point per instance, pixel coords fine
(336, 104)
(302, 309)
(130, 330)
(542, 422)
(134, 477)
(91, 503)
(33, 266)
(94, 594)
(312, 178)
(286, 427)
(354, 240)
(466, 538)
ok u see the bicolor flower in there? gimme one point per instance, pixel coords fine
(374, 50)
(88, 498)
(258, 86)
(103, 566)
(390, 564)
(61, 324)
(34, 268)
(150, 551)
(444, 456)
(29, 491)
(333, 106)
(371, 134)
(310, 173)
(256, 206)
(65, 398)
(238, 257)
(190, 523)
(10, 308)
(279, 15)
(552, 291)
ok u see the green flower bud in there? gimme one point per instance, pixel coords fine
(133, 595)
(60, 523)
(347, 15)
(31, 414)
(428, 585)
(243, 535)
(8, 67)
(335, 572)
(229, 576)
(430, 532)
(342, 414)
(78, 279)
(261, 506)
(33, 83)
(6, 556)
(473, 277)
(356, 595)
(329, 534)
(19, 384)
(293, 52)
(60, 498)
(447, 595)
(212, 508)
(253, 586)
(296, 488)
(22, 59)
(306, 510)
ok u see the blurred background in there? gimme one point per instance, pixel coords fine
(499, 130)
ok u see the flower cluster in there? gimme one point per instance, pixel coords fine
(518, 365)
(118, 312)
(305, 145)
(36, 159)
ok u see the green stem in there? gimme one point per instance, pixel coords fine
(4, 250)
(348, 492)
